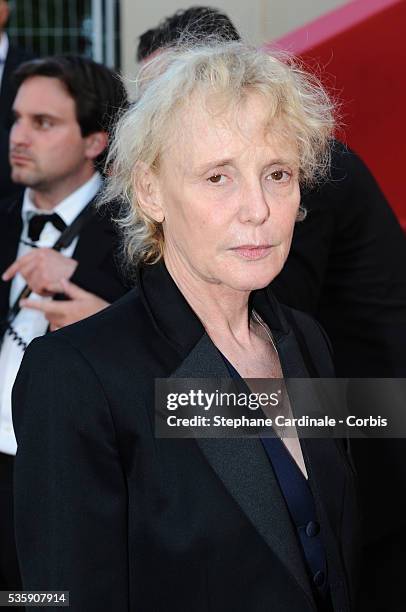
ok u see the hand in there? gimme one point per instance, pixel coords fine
(82, 304)
(42, 270)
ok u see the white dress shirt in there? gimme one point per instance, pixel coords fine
(30, 324)
(3, 53)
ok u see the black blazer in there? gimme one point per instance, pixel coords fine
(347, 267)
(98, 270)
(8, 90)
(128, 521)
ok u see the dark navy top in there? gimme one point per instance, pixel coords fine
(299, 500)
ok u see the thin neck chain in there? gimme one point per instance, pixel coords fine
(258, 319)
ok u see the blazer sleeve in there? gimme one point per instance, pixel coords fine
(70, 490)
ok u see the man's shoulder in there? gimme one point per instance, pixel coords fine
(12, 203)
(105, 215)
(347, 179)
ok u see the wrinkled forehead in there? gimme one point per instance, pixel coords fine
(217, 123)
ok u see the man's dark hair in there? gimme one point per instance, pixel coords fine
(198, 22)
(97, 91)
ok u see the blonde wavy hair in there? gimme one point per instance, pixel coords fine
(230, 69)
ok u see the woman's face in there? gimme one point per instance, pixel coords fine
(230, 195)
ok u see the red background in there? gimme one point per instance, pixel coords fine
(360, 54)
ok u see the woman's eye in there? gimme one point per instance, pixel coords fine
(280, 176)
(217, 179)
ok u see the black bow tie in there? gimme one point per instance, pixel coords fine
(37, 222)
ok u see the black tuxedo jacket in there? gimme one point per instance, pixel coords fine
(15, 57)
(347, 267)
(97, 269)
(128, 521)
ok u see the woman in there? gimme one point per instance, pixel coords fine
(208, 164)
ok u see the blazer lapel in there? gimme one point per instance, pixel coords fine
(322, 457)
(318, 453)
(244, 469)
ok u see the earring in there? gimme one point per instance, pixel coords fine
(301, 213)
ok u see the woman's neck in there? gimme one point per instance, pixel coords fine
(222, 310)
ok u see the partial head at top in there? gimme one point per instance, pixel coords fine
(198, 23)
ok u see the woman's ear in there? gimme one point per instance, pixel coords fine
(146, 188)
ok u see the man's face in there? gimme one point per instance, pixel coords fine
(230, 195)
(47, 148)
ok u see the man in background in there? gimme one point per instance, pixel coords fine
(196, 23)
(53, 242)
(10, 58)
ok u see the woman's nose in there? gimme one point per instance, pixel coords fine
(254, 206)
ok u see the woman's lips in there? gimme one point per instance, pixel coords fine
(249, 251)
